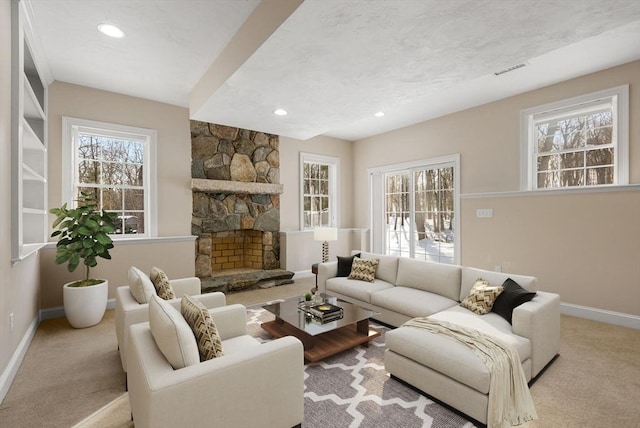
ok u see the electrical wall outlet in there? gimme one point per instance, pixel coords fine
(497, 268)
(11, 321)
(484, 213)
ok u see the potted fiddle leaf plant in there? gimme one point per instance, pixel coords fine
(83, 236)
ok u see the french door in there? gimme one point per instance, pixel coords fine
(417, 216)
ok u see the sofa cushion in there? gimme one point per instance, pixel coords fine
(140, 285)
(441, 354)
(203, 327)
(172, 334)
(437, 278)
(161, 284)
(239, 344)
(469, 276)
(512, 297)
(344, 265)
(491, 324)
(355, 289)
(481, 297)
(364, 270)
(387, 266)
(411, 301)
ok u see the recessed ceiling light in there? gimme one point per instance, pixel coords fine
(111, 30)
(379, 114)
(280, 112)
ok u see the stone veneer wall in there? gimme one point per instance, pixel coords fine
(225, 153)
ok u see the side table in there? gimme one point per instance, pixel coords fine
(314, 270)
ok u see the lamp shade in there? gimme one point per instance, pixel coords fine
(325, 234)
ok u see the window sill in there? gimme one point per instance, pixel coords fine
(548, 192)
(138, 241)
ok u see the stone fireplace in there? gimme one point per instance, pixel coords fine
(236, 207)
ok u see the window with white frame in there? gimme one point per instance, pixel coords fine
(414, 209)
(319, 192)
(578, 142)
(115, 165)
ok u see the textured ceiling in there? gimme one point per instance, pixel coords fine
(331, 63)
(169, 44)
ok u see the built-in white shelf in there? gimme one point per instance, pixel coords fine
(29, 143)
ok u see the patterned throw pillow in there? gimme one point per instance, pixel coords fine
(161, 283)
(364, 269)
(481, 297)
(203, 327)
(140, 285)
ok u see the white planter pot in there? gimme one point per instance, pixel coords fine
(85, 306)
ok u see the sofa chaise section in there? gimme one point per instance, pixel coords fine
(440, 367)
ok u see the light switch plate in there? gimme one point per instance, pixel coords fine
(484, 213)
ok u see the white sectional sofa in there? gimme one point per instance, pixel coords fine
(450, 372)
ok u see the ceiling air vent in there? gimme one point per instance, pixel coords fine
(515, 67)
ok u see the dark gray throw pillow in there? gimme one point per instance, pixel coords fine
(512, 296)
(344, 265)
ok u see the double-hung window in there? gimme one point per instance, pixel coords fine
(319, 193)
(579, 142)
(114, 164)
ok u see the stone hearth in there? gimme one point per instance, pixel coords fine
(236, 208)
(232, 280)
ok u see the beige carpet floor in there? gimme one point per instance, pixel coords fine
(73, 377)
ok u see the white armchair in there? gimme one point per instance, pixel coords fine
(252, 385)
(129, 311)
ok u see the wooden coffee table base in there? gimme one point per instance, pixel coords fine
(326, 344)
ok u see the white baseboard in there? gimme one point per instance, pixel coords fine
(602, 315)
(302, 274)
(58, 311)
(6, 378)
(51, 313)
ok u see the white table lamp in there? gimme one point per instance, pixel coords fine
(325, 234)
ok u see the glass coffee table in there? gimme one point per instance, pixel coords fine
(321, 339)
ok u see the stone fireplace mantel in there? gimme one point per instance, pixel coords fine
(235, 187)
(235, 184)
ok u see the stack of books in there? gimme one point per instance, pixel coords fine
(327, 312)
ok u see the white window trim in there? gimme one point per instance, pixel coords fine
(374, 204)
(528, 172)
(70, 125)
(334, 176)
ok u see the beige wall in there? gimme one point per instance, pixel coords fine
(173, 144)
(524, 233)
(176, 258)
(173, 181)
(290, 150)
(298, 249)
(586, 247)
(19, 284)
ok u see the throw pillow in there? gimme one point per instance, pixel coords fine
(172, 334)
(161, 283)
(363, 269)
(481, 297)
(203, 327)
(512, 297)
(344, 265)
(140, 285)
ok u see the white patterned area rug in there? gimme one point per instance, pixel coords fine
(352, 389)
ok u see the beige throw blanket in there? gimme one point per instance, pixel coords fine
(510, 401)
